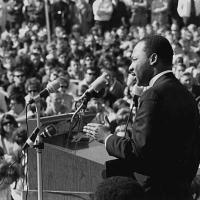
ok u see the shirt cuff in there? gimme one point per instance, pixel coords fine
(107, 139)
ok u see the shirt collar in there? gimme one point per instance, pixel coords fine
(156, 77)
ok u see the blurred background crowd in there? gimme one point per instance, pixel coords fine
(79, 40)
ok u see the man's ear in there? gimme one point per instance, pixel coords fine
(153, 59)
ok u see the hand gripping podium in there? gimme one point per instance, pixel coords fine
(71, 170)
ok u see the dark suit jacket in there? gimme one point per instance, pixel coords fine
(164, 145)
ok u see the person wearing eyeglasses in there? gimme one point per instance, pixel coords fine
(17, 87)
(32, 87)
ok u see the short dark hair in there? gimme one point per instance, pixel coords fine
(33, 82)
(161, 46)
(19, 98)
(119, 188)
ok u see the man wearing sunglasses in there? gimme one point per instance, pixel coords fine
(18, 86)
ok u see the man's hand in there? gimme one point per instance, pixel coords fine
(97, 131)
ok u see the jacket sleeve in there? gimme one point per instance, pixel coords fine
(142, 133)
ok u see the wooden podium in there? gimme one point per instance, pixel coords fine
(69, 170)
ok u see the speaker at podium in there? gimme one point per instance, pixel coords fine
(72, 163)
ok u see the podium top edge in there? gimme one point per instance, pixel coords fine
(63, 117)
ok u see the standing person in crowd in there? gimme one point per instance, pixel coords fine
(120, 14)
(159, 12)
(165, 136)
(102, 11)
(83, 15)
(139, 13)
(62, 14)
(189, 11)
(174, 17)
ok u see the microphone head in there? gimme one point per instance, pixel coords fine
(54, 85)
(49, 131)
(100, 83)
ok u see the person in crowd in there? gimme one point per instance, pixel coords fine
(165, 133)
(188, 81)
(15, 13)
(120, 15)
(55, 105)
(174, 17)
(139, 13)
(74, 51)
(68, 99)
(32, 87)
(47, 71)
(102, 11)
(62, 14)
(188, 54)
(36, 61)
(179, 69)
(91, 75)
(189, 11)
(8, 125)
(159, 12)
(83, 15)
(119, 188)
(3, 103)
(119, 116)
(17, 105)
(18, 86)
(74, 70)
(8, 174)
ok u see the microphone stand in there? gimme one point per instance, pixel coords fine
(83, 106)
(39, 147)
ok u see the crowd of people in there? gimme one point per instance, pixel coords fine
(87, 38)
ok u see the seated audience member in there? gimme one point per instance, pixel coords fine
(119, 188)
(18, 86)
(187, 80)
(55, 105)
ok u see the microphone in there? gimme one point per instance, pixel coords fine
(96, 86)
(48, 132)
(51, 88)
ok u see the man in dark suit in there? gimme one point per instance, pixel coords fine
(164, 145)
